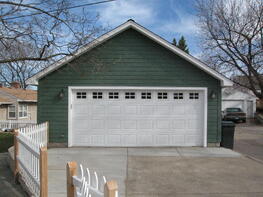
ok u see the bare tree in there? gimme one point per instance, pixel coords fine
(50, 27)
(231, 32)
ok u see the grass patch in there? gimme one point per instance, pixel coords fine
(6, 141)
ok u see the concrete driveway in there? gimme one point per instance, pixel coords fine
(186, 172)
(8, 188)
(249, 139)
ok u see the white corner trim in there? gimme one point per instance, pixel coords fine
(70, 99)
(70, 140)
(131, 24)
(205, 115)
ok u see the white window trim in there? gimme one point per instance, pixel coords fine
(8, 110)
(71, 95)
(22, 117)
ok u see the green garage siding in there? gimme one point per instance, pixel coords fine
(128, 59)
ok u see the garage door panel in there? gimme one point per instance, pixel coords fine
(129, 140)
(194, 124)
(162, 140)
(177, 140)
(190, 140)
(81, 123)
(129, 124)
(145, 140)
(146, 110)
(145, 124)
(97, 123)
(97, 140)
(162, 110)
(114, 124)
(114, 109)
(153, 121)
(113, 139)
(98, 109)
(130, 109)
(178, 124)
(178, 110)
(163, 124)
(82, 108)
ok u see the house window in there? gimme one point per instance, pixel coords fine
(146, 95)
(113, 95)
(97, 95)
(81, 95)
(22, 111)
(178, 95)
(11, 111)
(194, 96)
(130, 95)
(162, 95)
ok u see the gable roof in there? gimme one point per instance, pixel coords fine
(233, 93)
(18, 94)
(127, 25)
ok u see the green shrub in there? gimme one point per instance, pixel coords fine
(6, 141)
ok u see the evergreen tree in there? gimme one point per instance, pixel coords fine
(181, 44)
(174, 42)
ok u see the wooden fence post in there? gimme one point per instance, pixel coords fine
(47, 124)
(71, 171)
(16, 149)
(43, 172)
(110, 188)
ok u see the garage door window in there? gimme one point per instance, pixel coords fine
(162, 95)
(81, 95)
(97, 95)
(146, 95)
(194, 96)
(113, 95)
(178, 96)
(129, 95)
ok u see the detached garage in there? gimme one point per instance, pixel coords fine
(233, 97)
(132, 88)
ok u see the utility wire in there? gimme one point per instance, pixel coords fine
(71, 7)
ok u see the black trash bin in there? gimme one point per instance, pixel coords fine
(228, 131)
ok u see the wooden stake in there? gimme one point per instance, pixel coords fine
(16, 149)
(43, 172)
(71, 171)
(110, 188)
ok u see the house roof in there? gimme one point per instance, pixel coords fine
(127, 25)
(4, 100)
(244, 81)
(236, 93)
(19, 94)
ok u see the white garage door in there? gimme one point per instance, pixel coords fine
(137, 118)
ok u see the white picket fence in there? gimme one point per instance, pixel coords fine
(15, 124)
(30, 140)
(89, 184)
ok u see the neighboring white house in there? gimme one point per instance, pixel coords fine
(232, 97)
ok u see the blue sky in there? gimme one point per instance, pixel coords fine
(167, 18)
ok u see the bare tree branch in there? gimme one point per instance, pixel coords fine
(231, 38)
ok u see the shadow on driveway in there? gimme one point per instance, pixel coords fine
(249, 140)
(8, 188)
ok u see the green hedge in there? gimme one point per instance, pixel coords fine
(6, 141)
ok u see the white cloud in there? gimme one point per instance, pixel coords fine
(187, 26)
(181, 21)
(116, 13)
